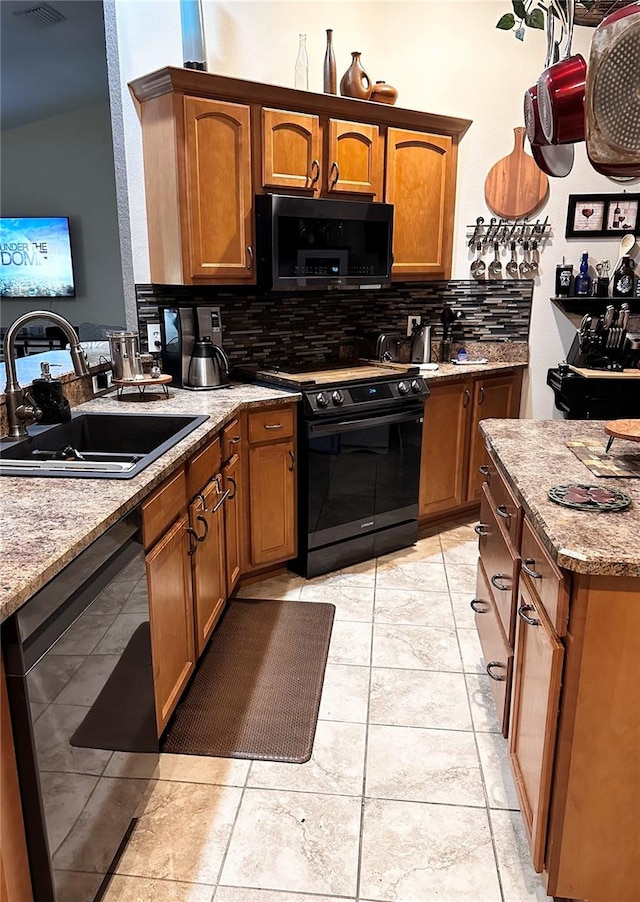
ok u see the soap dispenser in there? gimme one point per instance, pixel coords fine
(49, 397)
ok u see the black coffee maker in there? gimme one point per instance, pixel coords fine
(180, 328)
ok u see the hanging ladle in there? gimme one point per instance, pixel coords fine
(478, 266)
(512, 265)
(495, 267)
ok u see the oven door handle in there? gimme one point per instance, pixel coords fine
(370, 422)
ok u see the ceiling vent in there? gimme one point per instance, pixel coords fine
(42, 15)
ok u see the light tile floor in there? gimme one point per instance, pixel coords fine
(408, 795)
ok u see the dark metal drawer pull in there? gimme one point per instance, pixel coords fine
(477, 601)
(501, 511)
(293, 461)
(530, 620)
(466, 397)
(484, 469)
(534, 574)
(498, 679)
(234, 440)
(235, 487)
(497, 585)
(481, 529)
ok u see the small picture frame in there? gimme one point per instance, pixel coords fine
(602, 215)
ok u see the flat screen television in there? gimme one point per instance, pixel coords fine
(35, 258)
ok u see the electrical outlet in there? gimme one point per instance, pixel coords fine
(410, 319)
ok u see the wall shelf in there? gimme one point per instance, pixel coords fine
(593, 304)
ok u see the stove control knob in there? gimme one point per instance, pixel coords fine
(415, 386)
(337, 397)
(322, 399)
(403, 388)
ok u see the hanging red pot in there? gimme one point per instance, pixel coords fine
(561, 89)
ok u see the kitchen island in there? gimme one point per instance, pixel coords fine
(558, 614)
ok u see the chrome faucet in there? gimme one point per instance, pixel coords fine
(21, 408)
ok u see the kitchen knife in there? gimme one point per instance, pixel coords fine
(624, 315)
(608, 316)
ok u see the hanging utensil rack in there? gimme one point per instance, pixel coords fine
(504, 231)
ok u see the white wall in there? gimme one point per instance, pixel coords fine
(444, 56)
(63, 166)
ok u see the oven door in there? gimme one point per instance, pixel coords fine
(362, 474)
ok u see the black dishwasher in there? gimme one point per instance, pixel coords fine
(80, 683)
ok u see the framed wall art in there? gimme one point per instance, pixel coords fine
(602, 215)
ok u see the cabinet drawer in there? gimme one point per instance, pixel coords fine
(203, 467)
(271, 425)
(501, 563)
(504, 504)
(231, 438)
(163, 507)
(498, 655)
(548, 582)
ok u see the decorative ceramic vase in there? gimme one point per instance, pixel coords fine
(355, 82)
(329, 73)
(384, 93)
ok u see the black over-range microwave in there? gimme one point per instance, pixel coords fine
(303, 242)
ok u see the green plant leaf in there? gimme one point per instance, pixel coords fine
(519, 9)
(535, 19)
(506, 22)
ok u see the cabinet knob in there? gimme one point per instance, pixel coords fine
(530, 620)
(525, 566)
(476, 601)
(498, 679)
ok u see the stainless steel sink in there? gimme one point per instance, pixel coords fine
(96, 445)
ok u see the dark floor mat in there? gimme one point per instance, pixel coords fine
(256, 692)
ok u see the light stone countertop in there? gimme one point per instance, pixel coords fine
(46, 522)
(533, 457)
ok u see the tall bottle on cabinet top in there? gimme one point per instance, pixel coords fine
(582, 285)
(194, 51)
(302, 65)
(623, 279)
(329, 72)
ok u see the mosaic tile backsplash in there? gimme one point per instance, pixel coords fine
(315, 326)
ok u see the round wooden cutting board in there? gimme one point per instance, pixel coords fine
(515, 187)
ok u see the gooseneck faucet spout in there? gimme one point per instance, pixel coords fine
(19, 413)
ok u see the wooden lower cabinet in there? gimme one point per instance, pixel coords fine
(232, 482)
(534, 715)
(15, 880)
(452, 445)
(207, 561)
(272, 502)
(171, 618)
(496, 651)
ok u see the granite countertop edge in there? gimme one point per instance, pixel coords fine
(30, 561)
(542, 513)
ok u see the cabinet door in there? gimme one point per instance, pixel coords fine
(207, 561)
(494, 396)
(171, 618)
(354, 159)
(290, 150)
(272, 502)
(498, 657)
(219, 194)
(420, 175)
(444, 448)
(534, 715)
(232, 482)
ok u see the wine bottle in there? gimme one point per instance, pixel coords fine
(302, 66)
(582, 285)
(623, 279)
(329, 72)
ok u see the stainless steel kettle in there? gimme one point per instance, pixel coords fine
(208, 367)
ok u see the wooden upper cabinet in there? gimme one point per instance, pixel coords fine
(219, 193)
(290, 150)
(420, 172)
(355, 159)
